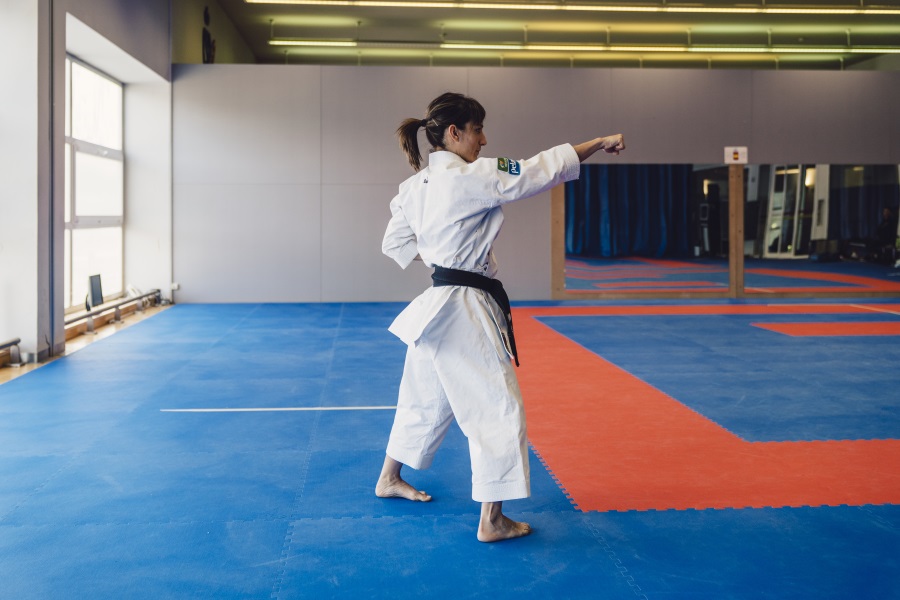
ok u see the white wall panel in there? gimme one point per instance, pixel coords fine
(247, 123)
(329, 131)
(140, 29)
(20, 28)
(529, 110)
(247, 243)
(148, 186)
(822, 117)
(354, 218)
(680, 116)
(362, 108)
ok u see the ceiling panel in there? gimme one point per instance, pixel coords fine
(821, 35)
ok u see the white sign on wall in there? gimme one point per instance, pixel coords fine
(735, 155)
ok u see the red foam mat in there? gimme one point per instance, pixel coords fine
(616, 443)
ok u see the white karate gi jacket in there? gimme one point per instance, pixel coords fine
(450, 213)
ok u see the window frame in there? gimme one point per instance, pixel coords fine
(73, 147)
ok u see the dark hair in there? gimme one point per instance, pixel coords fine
(447, 109)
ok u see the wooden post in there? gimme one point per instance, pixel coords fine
(736, 231)
(558, 242)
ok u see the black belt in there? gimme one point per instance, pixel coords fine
(443, 276)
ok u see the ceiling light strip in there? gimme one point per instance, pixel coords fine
(314, 43)
(569, 48)
(537, 6)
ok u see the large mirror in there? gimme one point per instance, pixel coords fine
(664, 230)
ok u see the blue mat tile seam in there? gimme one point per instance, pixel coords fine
(149, 523)
(278, 583)
(617, 562)
(27, 496)
(553, 476)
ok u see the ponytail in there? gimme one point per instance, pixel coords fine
(447, 109)
(408, 132)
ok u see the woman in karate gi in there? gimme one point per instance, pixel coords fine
(458, 361)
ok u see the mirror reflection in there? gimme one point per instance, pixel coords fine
(664, 229)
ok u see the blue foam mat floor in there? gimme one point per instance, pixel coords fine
(103, 495)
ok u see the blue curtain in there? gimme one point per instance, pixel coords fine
(629, 210)
(854, 210)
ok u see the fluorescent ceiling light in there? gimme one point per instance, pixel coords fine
(575, 7)
(314, 43)
(674, 48)
(579, 48)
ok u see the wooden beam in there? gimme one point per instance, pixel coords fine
(558, 242)
(735, 231)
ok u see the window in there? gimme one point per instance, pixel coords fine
(94, 183)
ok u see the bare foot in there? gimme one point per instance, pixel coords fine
(391, 485)
(397, 488)
(494, 526)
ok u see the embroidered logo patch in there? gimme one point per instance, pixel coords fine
(508, 165)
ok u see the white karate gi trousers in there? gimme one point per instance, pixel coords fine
(459, 367)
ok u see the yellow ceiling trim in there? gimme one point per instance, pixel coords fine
(575, 7)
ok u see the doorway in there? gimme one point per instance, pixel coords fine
(790, 214)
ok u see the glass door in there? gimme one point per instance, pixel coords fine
(790, 214)
(806, 203)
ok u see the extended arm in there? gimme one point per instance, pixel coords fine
(611, 144)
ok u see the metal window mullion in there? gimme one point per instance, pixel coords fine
(71, 149)
(95, 222)
(96, 149)
(72, 186)
(91, 222)
(68, 109)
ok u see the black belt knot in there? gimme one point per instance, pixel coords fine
(443, 276)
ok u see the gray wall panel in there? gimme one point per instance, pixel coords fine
(891, 125)
(141, 29)
(353, 267)
(241, 128)
(148, 186)
(247, 243)
(361, 109)
(529, 110)
(247, 123)
(680, 116)
(822, 117)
